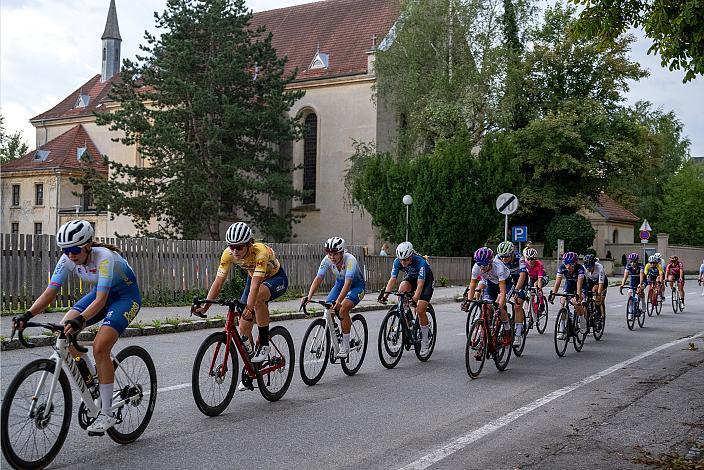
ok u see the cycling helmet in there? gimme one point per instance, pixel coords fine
(238, 234)
(483, 256)
(336, 244)
(504, 249)
(673, 258)
(633, 258)
(658, 256)
(531, 253)
(570, 257)
(404, 250)
(74, 233)
(589, 260)
(652, 259)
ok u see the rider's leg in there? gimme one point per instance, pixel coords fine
(261, 312)
(681, 287)
(102, 346)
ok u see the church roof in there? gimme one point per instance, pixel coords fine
(611, 210)
(342, 29)
(112, 29)
(62, 153)
(94, 89)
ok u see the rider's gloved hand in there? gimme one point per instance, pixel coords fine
(382, 298)
(304, 301)
(551, 297)
(74, 325)
(21, 322)
(465, 305)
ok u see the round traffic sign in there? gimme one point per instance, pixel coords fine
(507, 203)
(644, 235)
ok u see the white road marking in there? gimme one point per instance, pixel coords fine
(472, 436)
(174, 387)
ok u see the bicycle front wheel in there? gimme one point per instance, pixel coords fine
(432, 335)
(542, 315)
(471, 317)
(561, 332)
(32, 440)
(675, 298)
(599, 321)
(359, 335)
(314, 352)
(279, 365)
(213, 384)
(518, 349)
(501, 353)
(630, 314)
(476, 349)
(391, 339)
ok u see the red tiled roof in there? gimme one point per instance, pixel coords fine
(342, 28)
(62, 154)
(94, 88)
(611, 210)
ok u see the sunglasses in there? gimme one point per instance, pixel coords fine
(330, 252)
(237, 247)
(74, 250)
(505, 256)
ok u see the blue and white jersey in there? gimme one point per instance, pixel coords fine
(701, 269)
(498, 272)
(597, 274)
(349, 270)
(516, 266)
(105, 268)
(418, 268)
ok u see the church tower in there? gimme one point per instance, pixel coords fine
(111, 45)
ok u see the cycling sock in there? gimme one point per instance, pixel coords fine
(89, 363)
(507, 326)
(264, 335)
(424, 332)
(346, 340)
(106, 398)
(519, 329)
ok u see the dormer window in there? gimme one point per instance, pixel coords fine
(41, 155)
(82, 154)
(82, 101)
(320, 61)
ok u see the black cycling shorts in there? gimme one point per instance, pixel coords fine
(428, 287)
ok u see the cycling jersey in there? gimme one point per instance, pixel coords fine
(418, 268)
(571, 278)
(596, 274)
(634, 270)
(516, 266)
(105, 268)
(675, 268)
(349, 270)
(701, 269)
(260, 261)
(536, 271)
(653, 270)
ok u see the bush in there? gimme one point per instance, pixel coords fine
(574, 229)
(443, 281)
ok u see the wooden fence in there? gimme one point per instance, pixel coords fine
(169, 269)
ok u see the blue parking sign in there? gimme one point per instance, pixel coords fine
(519, 233)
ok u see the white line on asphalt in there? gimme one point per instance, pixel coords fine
(174, 387)
(466, 439)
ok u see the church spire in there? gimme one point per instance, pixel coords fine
(111, 45)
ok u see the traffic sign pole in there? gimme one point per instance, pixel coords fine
(506, 204)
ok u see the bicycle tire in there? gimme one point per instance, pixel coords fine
(273, 385)
(600, 322)
(542, 318)
(629, 308)
(319, 356)
(391, 334)
(641, 315)
(471, 317)
(476, 348)
(219, 339)
(561, 344)
(518, 350)
(579, 336)
(658, 306)
(8, 448)
(501, 354)
(675, 299)
(432, 335)
(359, 337)
(124, 376)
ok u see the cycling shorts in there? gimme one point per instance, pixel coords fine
(355, 294)
(428, 287)
(277, 285)
(119, 311)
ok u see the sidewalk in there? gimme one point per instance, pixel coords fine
(285, 310)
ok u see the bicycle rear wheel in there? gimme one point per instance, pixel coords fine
(135, 381)
(213, 390)
(359, 336)
(274, 384)
(391, 339)
(542, 314)
(630, 314)
(314, 352)
(34, 441)
(561, 344)
(476, 349)
(432, 335)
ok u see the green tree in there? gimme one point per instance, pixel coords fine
(676, 28)
(575, 230)
(11, 145)
(683, 211)
(207, 107)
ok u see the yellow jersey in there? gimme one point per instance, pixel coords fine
(649, 267)
(260, 261)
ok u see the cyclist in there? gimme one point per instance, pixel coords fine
(635, 272)
(663, 266)
(419, 279)
(266, 281)
(515, 265)
(675, 272)
(654, 274)
(497, 279)
(573, 273)
(701, 275)
(348, 289)
(535, 271)
(115, 299)
(596, 278)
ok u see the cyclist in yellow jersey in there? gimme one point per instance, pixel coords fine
(266, 280)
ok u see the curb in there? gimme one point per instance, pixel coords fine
(167, 328)
(696, 453)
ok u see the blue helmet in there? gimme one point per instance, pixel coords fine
(483, 256)
(570, 257)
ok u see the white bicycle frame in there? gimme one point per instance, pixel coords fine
(334, 342)
(63, 359)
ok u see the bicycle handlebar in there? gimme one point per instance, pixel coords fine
(325, 304)
(55, 327)
(234, 305)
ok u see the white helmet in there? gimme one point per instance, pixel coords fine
(404, 250)
(335, 244)
(658, 256)
(653, 259)
(74, 233)
(238, 233)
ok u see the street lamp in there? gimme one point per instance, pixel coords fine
(407, 200)
(352, 236)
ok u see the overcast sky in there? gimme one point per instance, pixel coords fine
(48, 48)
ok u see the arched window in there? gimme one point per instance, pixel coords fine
(615, 237)
(310, 153)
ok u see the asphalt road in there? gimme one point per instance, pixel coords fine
(634, 391)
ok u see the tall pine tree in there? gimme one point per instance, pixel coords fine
(206, 106)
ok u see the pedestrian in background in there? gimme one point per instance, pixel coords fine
(384, 249)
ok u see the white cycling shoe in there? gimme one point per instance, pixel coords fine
(262, 354)
(102, 423)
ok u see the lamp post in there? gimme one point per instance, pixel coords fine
(352, 219)
(407, 200)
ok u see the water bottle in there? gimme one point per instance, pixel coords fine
(337, 329)
(85, 373)
(248, 346)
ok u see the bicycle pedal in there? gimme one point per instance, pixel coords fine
(92, 434)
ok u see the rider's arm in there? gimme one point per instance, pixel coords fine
(501, 299)
(625, 276)
(521, 280)
(472, 286)
(254, 292)
(314, 286)
(101, 298)
(580, 283)
(558, 281)
(219, 281)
